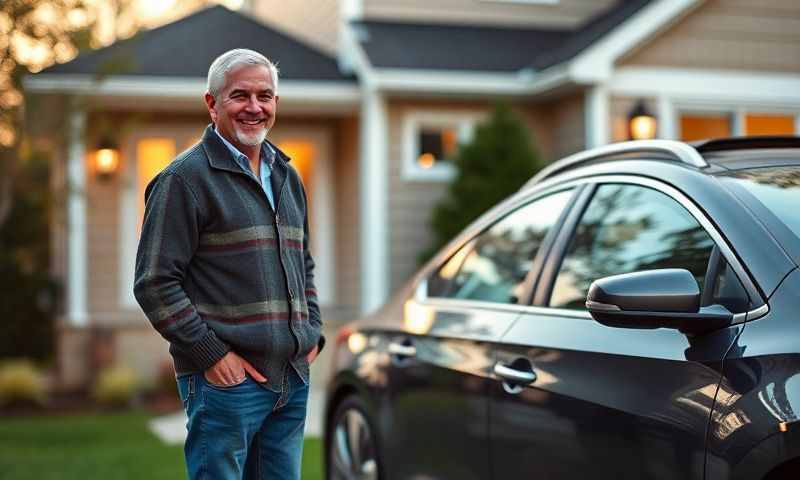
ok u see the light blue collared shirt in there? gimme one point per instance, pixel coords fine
(267, 159)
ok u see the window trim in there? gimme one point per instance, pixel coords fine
(556, 257)
(413, 121)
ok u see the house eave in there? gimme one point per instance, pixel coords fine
(300, 94)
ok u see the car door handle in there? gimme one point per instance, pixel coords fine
(514, 375)
(402, 350)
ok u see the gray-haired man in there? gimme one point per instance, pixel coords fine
(225, 274)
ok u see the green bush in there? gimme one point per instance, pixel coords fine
(116, 386)
(21, 383)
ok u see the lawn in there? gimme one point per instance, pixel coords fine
(107, 446)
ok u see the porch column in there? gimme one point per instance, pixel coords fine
(374, 204)
(666, 119)
(77, 315)
(597, 116)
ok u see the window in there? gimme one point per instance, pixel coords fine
(627, 228)
(700, 127)
(430, 141)
(152, 156)
(493, 266)
(769, 124)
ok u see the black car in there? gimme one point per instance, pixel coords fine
(632, 312)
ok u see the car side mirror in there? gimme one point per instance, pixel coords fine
(666, 298)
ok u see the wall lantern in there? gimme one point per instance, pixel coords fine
(641, 123)
(106, 159)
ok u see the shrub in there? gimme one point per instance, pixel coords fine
(116, 386)
(21, 383)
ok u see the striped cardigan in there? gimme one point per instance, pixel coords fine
(218, 269)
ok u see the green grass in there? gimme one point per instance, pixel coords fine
(108, 446)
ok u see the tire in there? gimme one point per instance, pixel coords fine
(351, 450)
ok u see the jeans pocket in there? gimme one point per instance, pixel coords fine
(223, 387)
(186, 386)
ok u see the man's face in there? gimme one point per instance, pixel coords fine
(245, 108)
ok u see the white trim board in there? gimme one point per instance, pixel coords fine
(290, 91)
(77, 246)
(737, 88)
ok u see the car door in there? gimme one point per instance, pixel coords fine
(612, 403)
(437, 395)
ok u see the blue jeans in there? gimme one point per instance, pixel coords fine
(244, 431)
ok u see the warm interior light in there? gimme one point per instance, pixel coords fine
(641, 123)
(107, 161)
(643, 127)
(426, 160)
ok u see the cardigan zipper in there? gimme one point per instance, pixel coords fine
(280, 254)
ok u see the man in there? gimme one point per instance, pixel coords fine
(225, 274)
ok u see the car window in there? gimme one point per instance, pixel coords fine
(627, 228)
(492, 267)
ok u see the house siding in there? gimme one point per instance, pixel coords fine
(568, 125)
(316, 24)
(562, 14)
(347, 275)
(729, 34)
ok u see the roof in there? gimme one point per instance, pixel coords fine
(454, 47)
(187, 47)
(499, 49)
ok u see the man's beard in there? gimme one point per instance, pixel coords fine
(251, 139)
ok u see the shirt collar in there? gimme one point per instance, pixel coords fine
(267, 154)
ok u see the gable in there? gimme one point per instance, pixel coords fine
(728, 34)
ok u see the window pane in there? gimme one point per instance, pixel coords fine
(628, 228)
(700, 127)
(761, 124)
(494, 265)
(436, 145)
(152, 156)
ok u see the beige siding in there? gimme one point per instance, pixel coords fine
(568, 126)
(347, 278)
(737, 34)
(315, 21)
(562, 14)
(103, 244)
(411, 202)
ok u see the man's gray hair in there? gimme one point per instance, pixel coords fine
(232, 59)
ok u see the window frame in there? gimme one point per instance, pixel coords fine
(559, 249)
(482, 225)
(413, 123)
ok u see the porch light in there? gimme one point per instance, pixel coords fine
(641, 123)
(106, 158)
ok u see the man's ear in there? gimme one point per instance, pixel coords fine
(211, 102)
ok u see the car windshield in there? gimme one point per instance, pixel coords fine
(777, 188)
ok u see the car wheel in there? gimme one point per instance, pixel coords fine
(352, 452)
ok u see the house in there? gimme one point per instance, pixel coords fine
(368, 87)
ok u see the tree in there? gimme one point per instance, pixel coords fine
(498, 161)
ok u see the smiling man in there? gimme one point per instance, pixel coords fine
(225, 274)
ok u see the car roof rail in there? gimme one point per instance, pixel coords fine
(679, 151)
(746, 143)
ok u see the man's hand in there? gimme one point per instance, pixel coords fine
(312, 355)
(231, 370)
